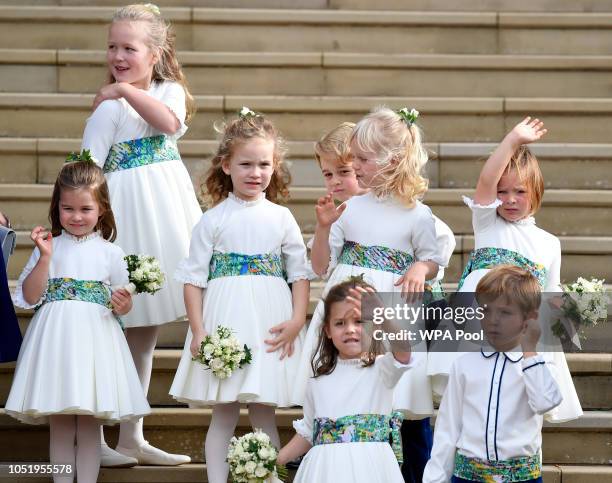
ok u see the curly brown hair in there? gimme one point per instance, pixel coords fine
(217, 185)
(324, 359)
(84, 175)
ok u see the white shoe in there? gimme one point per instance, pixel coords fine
(149, 455)
(112, 459)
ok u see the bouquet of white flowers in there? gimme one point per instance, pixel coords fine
(145, 274)
(252, 459)
(222, 353)
(584, 302)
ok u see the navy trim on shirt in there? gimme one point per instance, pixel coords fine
(533, 365)
(489, 404)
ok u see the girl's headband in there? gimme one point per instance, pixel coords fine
(84, 156)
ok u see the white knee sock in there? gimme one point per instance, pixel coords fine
(222, 425)
(62, 430)
(142, 342)
(88, 449)
(263, 417)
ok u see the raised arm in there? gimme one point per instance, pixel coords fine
(525, 132)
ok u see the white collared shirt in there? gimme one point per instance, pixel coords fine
(492, 410)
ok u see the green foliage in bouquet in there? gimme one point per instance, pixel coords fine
(222, 353)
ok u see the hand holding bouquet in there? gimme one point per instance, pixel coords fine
(222, 353)
(252, 459)
(145, 274)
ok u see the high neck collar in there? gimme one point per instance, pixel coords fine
(242, 202)
(81, 239)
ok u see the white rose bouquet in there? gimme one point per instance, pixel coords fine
(145, 274)
(584, 302)
(252, 459)
(222, 353)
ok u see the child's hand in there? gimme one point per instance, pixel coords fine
(43, 240)
(287, 332)
(122, 301)
(196, 342)
(530, 337)
(326, 211)
(413, 283)
(528, 131)
(356, 300)
(109, 91)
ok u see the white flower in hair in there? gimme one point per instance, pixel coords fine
(246, 112)
(408, 116)
(151, 7)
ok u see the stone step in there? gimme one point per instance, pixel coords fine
(592, 374)
(451, 165)
(564, 212)
(214, 29)
(181, 430)
(414, 5)
(328, 73)
(452, 119)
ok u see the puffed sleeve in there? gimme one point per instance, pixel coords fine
(100, 130)
(543, 392)
(445, 240)
(304, 426)
(439, 468)
(553, 280)
(294, 251)
(483, 216)
(424, 240)
(119, 276)
(194, 269)
(391, 370)
(174, 98)
(18, 298)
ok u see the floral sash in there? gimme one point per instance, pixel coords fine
(234, 264)
(140, 152)
(504, 471)
(360, 428)
(490, 257)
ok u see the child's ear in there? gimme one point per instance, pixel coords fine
(326, 330)
(225, 166)
(533, 315)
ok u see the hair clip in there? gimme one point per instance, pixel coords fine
(151, 7)
(84, 156)
(408, 116)
(245, 113)
(356, 279)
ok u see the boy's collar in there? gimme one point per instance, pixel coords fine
(515, 355)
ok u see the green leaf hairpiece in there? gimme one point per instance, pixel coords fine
(408, 116)
(84, 156)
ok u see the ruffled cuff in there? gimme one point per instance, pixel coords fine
(309, 275)
(302, 429)
(20, 301)
(185, 277)
(471, 204)
(182, 128)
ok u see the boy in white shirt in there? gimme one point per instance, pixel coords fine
(489, 426)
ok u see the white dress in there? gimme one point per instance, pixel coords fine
(74, 358)
(155, 205)
(369, 221)
(538, 246)
(350, 389)
(248, 304)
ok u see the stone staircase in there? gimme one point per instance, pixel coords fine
(472, 67)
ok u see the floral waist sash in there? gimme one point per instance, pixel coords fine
(360, 428)
(140, 152)
(376, 257)
(234, 264)
(513, 470)
(92, 291)
(485, 258)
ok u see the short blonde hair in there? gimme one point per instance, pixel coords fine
(517, 285)
(526, 165)
(400, 154)
(335, 143)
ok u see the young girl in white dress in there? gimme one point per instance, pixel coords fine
(75, 369)
(138, 118)
(348, 420)
(243, 253)
(390, 236)
(509, 191)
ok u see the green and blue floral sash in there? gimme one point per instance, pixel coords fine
(507, 471)
(485, 258)
(234, 264)
(140, 152)
(360, 428)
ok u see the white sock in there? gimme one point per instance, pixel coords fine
(88, 449)
(263, 416)
(222, 425)
(62, 431)
(141, 341)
